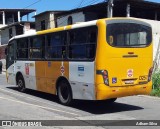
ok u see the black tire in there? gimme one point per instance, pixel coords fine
(64, 93)
(21, 83)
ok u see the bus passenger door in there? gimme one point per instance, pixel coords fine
(10, 63)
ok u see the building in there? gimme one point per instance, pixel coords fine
(14, 29)
(12, 24)
(46, 20)
(111, 8)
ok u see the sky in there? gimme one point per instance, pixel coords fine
(45, 5)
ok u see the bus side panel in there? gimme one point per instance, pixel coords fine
(81, 76)
(27, 69)
(11, 75)
(47, 73)
(40, 76)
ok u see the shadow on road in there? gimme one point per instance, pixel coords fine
(101, 107)
(94, 107)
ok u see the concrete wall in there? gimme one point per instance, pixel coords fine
(89, 16)
(63, 21)
(49, 21)
(77, 17)
(39, 19)
(52, 20)
(5, 35)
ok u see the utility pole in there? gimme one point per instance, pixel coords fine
(128, 9)
(110, 8)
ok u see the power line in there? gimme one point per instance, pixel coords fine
(32, 4)
(91, 2)
(80, 3)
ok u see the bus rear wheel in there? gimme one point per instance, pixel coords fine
(20, 83)
(64, 92)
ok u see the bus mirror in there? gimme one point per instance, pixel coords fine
(111, 40)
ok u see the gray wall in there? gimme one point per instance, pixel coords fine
(77, 17)
(49, 21)
(5, 35)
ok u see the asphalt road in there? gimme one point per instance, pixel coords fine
(33, 105)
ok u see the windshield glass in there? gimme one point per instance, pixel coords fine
(128, 35)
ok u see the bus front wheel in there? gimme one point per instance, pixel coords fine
(20, 83)
(64, 92)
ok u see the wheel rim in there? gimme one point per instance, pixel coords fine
(64, 93)
(20, 84)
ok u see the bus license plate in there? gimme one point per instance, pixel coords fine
(129, 82)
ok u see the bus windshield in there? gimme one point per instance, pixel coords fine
(128, 35)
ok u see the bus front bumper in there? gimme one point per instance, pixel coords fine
(104, 92)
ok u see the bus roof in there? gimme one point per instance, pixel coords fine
(74, 26)
(69, 27)
(24, 35)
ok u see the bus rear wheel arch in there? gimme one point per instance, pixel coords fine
(64, 91)
(20, 82)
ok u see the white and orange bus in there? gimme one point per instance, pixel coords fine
(97, 60)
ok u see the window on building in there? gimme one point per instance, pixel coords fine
(56, 46)
(70, 20)
(43, 25)
(82, 43)
(22, 48)
(37, 47)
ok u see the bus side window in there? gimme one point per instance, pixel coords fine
(22, 48)
(48, 45)
(92, 35)
(56, 45)
(37, 47)
(77, 47)
(71, 39)
(82, 43)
